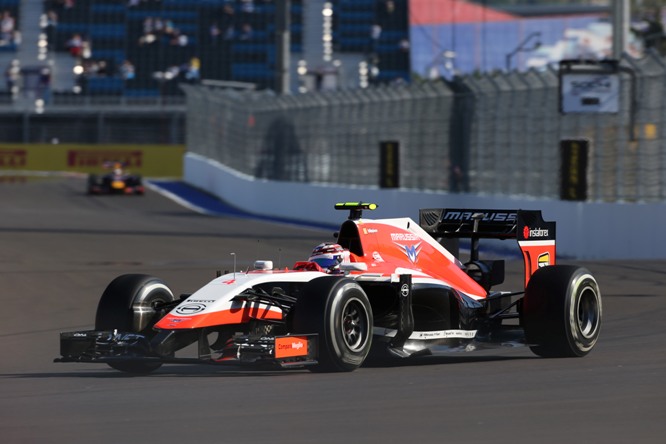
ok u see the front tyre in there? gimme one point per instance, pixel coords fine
(561, 311)
(338, 310)
(92, 184)
(129, 305)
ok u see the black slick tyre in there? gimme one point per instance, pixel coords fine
(338, 310)
(92, 184)
(128, 305)
(561, 311)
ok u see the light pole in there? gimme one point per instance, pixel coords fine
(620, 13)
(522, 47)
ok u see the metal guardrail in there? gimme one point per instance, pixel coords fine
(94, 124)
(496, 134)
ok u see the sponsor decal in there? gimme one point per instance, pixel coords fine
(173, 322)
(370, 230)
(97, 158)
(401, 237)
(411, 251)
(534, 232)
(445, 334)
(229, 282)
(377, 257)
(404, 290)
(429, 335)
(13, 158)
(543, 260)
(488, 216)
(290, 346)
(190, 308)
(599, 84)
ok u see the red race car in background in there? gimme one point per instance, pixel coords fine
(386, 288)
(116, 181)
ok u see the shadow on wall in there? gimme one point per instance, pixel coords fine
(282, 157)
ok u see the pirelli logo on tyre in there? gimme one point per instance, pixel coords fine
(290, 346)
(13, 158)
(96, 158)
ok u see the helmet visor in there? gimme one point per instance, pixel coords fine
(325, 262)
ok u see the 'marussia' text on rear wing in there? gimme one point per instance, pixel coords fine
(536, 237)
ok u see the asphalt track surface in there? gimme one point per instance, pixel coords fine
(60, 248)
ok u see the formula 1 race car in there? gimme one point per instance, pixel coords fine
(386, 288)
(117, 181)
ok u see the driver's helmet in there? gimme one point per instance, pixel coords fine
(329, 256)
(118, 168)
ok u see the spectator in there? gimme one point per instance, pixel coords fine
(375, 34)
(228, 21)
(178, 38)
(148, 25)
(13, 77)
(44, 85)
(7, 28)
(158, 25)
(101, 68)
(172, 72)
(49, 22)
(127, 71)
(230, 32)
(214, 32)
(246, 32)
(87, 48)
(149, 30)
(403, 45)
(247, 6)
(147, 39)
(169, 28)
(192, 70)
(75, 45)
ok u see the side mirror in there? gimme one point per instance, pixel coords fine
(354, 266)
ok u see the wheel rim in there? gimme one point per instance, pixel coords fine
(354, 325)
(588, 313)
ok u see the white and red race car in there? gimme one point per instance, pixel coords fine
(397, 292)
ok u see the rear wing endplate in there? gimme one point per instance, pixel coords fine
(536, 237)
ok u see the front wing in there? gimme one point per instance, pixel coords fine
(93, 346)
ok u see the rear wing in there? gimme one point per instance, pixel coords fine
(536, 237)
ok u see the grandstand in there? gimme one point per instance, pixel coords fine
(379, 29)
(134, 49)
(145, 48)
(167, 42)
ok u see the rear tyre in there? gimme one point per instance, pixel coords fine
(338, 310)
(561, 311)
(128, 305)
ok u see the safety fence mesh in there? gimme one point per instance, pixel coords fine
(496, 134)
